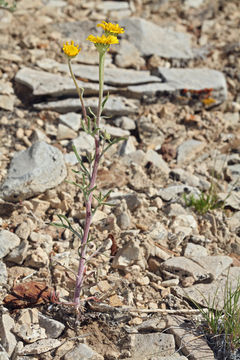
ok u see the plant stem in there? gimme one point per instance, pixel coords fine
(88, 216)
(78, 91)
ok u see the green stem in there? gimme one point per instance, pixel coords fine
(79, 91)
(101, 81)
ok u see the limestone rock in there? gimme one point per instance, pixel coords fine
(52, 327)
(8, 241)
(7, 339)
(144, 346)
(33, 171)
(115, 106)
(83, 352)
(71, 120)
(188, 150)
(3, 273)
(40, 346)
(181, 267)
(165, 42)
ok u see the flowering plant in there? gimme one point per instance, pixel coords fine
(91, 125)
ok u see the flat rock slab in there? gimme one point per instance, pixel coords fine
(216, 265)
(112, 76)
(151, 39)
(210, 294)
(184, 85)
(33, 171)
(175, 191)
(188, 340)
(147, 37)
(182, 267)
(42, 83)
(115, 106)
(146, 346)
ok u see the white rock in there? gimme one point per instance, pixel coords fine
(65, 132)
(8, 241)
(52, 327)
(83, 352)
(40, 346)
(33, 171)
(7, 339)
(3, 273)
(143, 346)
(72, 120)
(127, 256)
(188, 149)
(157, 160)
(193, 250)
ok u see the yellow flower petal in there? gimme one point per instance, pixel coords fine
(104, 40)
(111, 28)
(71, 50)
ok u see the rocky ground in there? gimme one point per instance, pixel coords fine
(174, 94)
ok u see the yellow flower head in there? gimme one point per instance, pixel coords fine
(103, 42)
(110, 28)
(71, 50)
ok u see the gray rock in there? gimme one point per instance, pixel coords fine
(112, 76)
(3, 355)
(8, 241)
(33, 171)
(7, 102)
(40, 346)
(194, 79)
(64, 132)
(19, 253)
(231, 199)
(152, 325)
(52, 327)
(216, 265)
(186, 177)
(193, 3)
(115, 106)
(3, 273)
(175, 191)
(194, 250)
(128, 55)
(212, 294)
(124, 220)
(127, 256)
(7, 339)
(182, 267)
(27, 326)
(144, 346)
(188, 149)
(125, 123)
(114, 131)
(84, 142)
(42, 83)
(152, 39)
(157, 160)
(112, 6)
(127, 147)
(72, 120)
(193, 346)
(37, 258)
(83, 352)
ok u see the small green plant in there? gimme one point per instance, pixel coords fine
(222, 326)
(5, 5)
(91, 125)
(205, 201)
